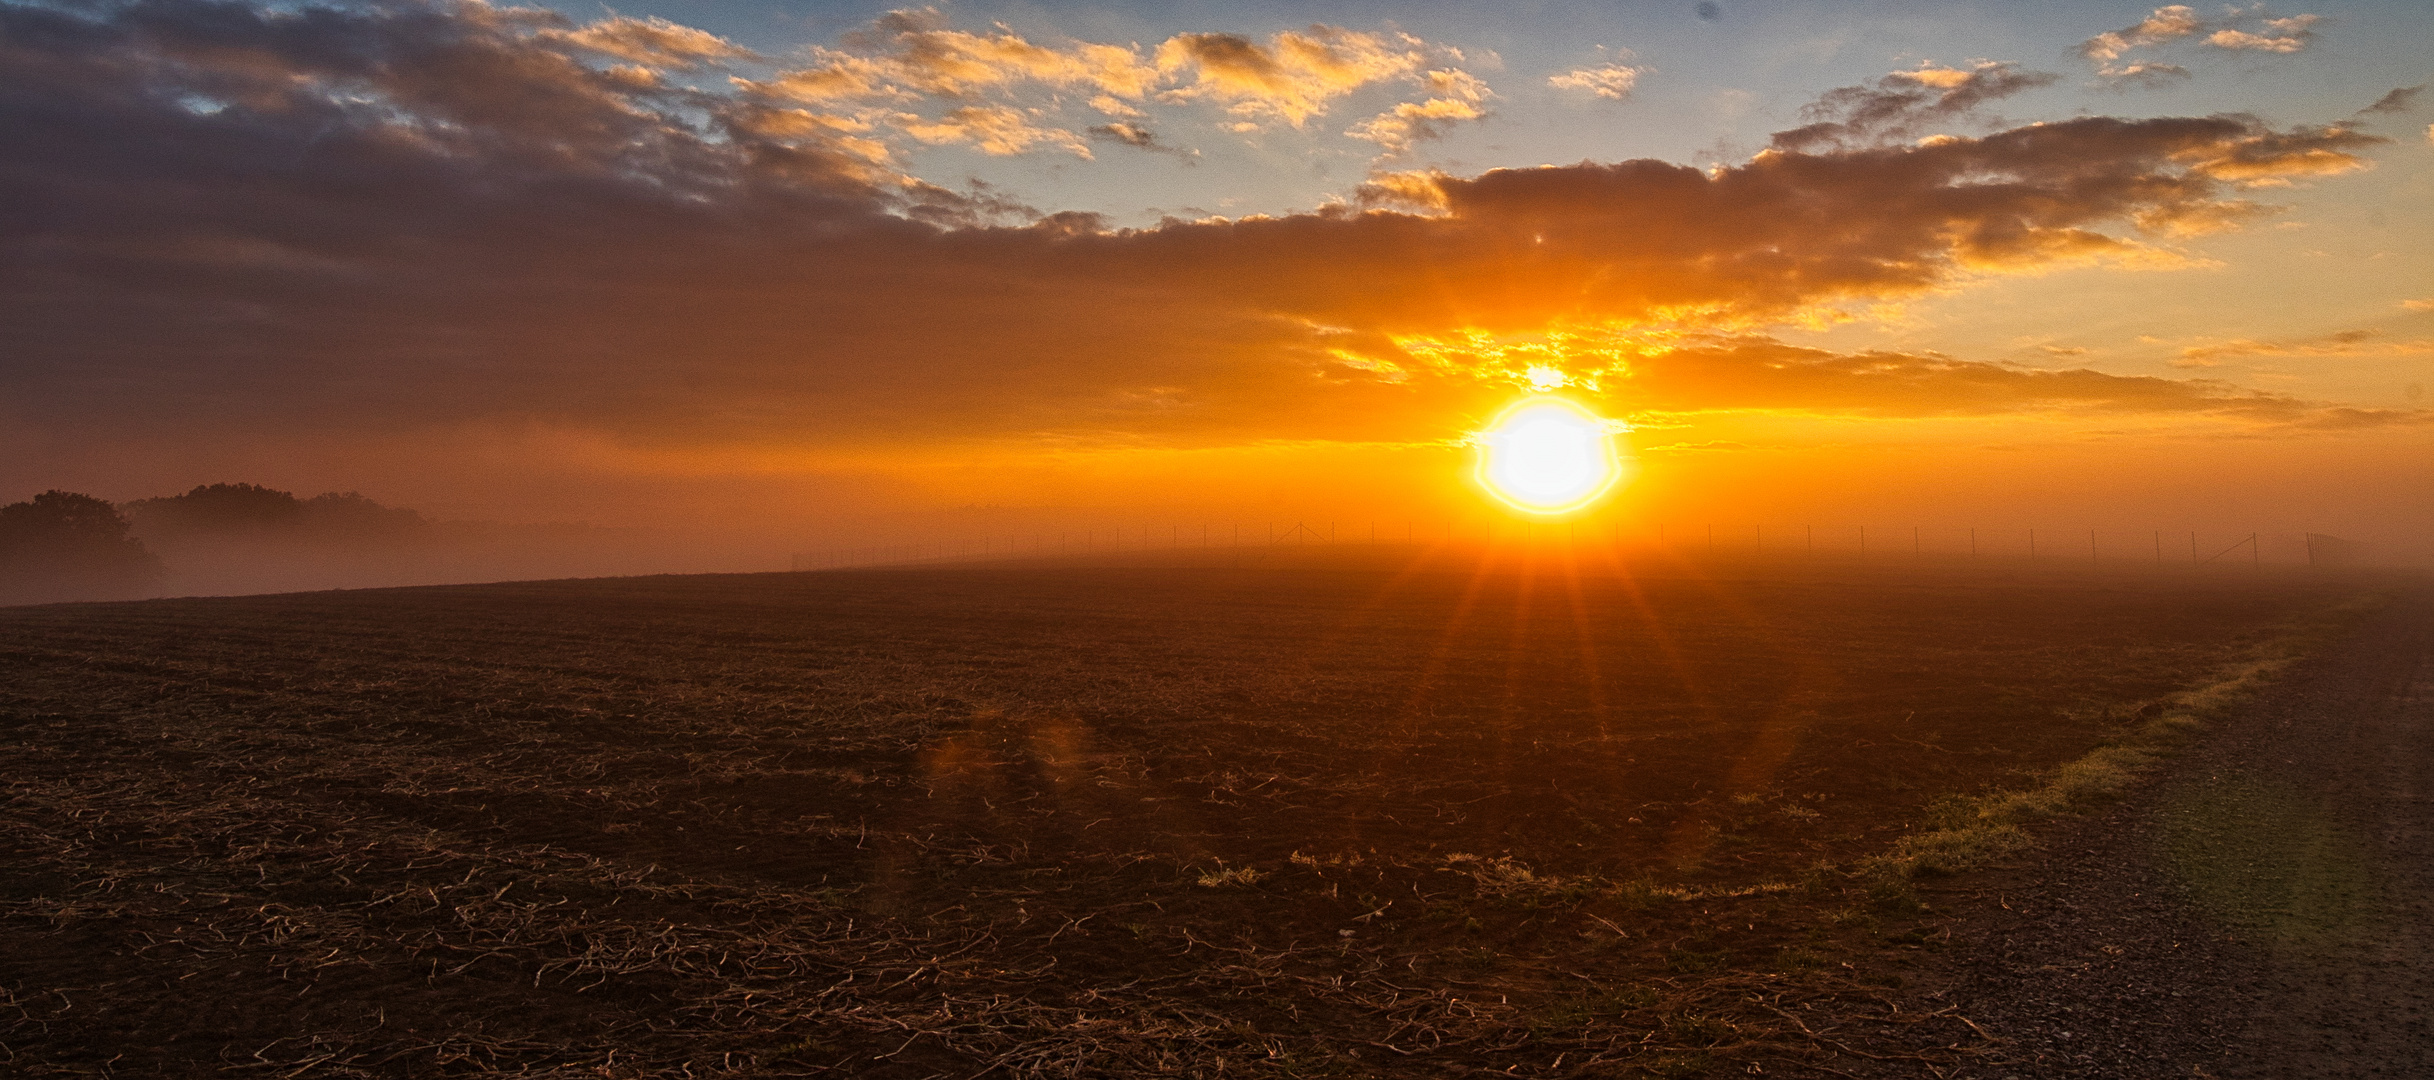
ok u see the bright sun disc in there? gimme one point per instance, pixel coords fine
(1547, 456)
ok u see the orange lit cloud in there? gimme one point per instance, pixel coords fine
(2166, 25)
(2281, 35)
(240, 219)
(907, 54)
(908, 58)
(2345, 343)
(1614, 82)
(652, 42)
(1711, 373)
(994, 129)
(1457, 96)
(1294, 77)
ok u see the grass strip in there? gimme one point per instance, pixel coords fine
(1966, 832)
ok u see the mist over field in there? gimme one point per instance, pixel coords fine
(229, 539)
(225, 539)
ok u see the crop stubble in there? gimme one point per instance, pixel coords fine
(1326, 819)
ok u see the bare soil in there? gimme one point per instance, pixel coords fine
(2265, 910)
(1390, 813)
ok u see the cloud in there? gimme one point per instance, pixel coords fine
(914, 72)
(1691, 448)
(1906, 104)
(2398, 100)
(448, 217)
(992, 129)
(2344, 343)
(1457, 95)
(2166, 25)
(1297, 75)
(917, 53)
(2142, 74)
(1761, 374)
(1663, 381)
(2426, 304)
(2163, 24)
(653, 42)
(1129, 135)
(2282, 36)
(2276, 158)
(1613, 82)
(1139, 138)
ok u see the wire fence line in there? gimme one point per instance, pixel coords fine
(2096, 547)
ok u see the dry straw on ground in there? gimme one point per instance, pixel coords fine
(1029, 823)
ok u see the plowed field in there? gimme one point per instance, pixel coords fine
(1376, 813)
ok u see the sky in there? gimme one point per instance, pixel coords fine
(771, 267)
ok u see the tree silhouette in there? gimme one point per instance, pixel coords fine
(258, 511)
(60, 545)
(219, 508)
(349, 513)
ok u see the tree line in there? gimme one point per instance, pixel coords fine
(63, 545)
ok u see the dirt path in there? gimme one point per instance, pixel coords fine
(2266, 910)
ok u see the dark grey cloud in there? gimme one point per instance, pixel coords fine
(1139, 138)
(2398, 100)
(1907, 104)
(227, 220)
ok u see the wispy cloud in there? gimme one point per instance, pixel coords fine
(1139, 137)
(653, 42)
(1454, 96)
(1907, 104)
(1614, 82)
(914, 72)
(2398, 100)
(992, 129)
(1295, 76)
(2343, 343)
(2281, 35)
(2110, 51)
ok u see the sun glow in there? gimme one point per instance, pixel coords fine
(1546, 455)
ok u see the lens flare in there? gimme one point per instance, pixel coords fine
(1546, 455)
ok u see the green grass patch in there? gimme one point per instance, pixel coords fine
(1963, 833)
(2270, 858)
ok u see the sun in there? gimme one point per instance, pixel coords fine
(1546, 455)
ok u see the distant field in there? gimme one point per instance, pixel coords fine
(1378, 814)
